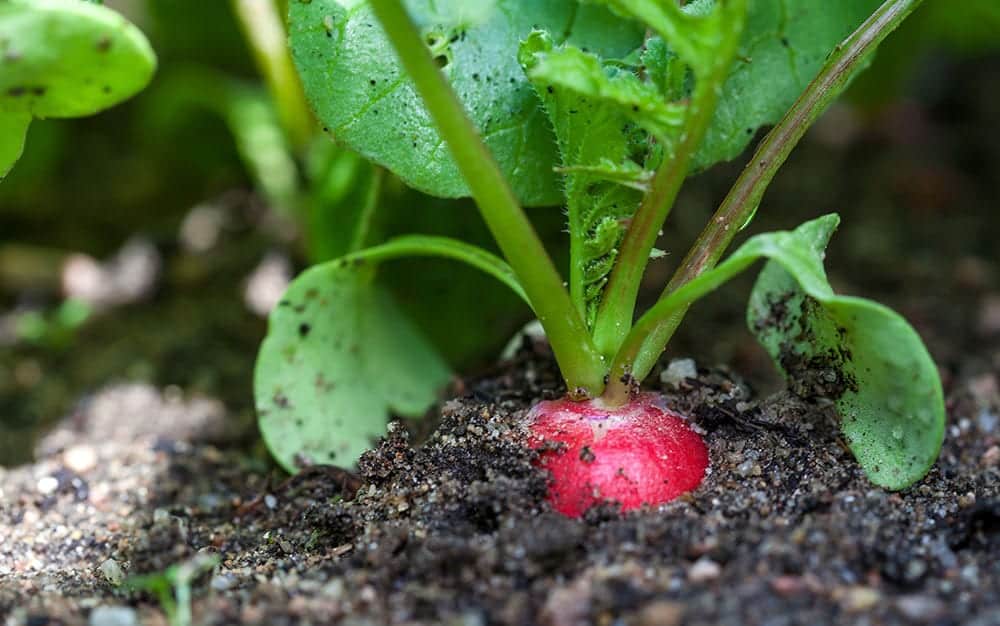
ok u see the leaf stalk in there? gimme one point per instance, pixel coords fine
(651, 334)
(614, 318)
(581, 364)
(264, 31)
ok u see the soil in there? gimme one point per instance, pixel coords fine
(446, 521)
(785, 528)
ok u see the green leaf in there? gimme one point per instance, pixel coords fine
(592, 110)
(582, 75)
(340, 356)
(261, 142)
(972, 27)
(66, 58)
(693, 31)
(248, 113)
(784, 46)
(860, 355)
(969, 28)
(13, 132)
(356, 86)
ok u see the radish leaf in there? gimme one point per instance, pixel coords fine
(358, 90)
(861, 355)
(340, 356)
(66, 58)
(589, 109)
(784, 45)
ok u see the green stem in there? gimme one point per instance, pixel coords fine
(648, 340)
(665, 308)
(580, 363)
(265, 33)
(614, 318)
(441, 247)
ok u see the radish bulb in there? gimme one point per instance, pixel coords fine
(636, 454)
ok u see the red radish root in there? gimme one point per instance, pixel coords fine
(640, 453)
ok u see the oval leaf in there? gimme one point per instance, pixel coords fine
(338, 358)
(340, 355)
(356, 86)
(67, 58)
(860, 354)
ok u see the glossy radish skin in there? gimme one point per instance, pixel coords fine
(640, 453)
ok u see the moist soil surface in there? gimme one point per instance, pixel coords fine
(785, 528)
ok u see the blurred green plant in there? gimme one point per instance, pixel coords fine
(64, 58)
(172, 587)
(54, 330)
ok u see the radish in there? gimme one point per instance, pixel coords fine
(636, 454)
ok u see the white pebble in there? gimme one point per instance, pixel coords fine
(80, 458)
(48, 485)
(678, 371)
(704, 570)
(113, 616)
(112, 572)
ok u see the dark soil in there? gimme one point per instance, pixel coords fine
(784, 530)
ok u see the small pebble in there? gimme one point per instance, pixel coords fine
(991, 457)
(987, 421)
(788, 585)
(112, 572)
(860, 599)
(704, 570)
(921, 609)
(970, 574)
(80, 459)
(678, 371)
(661, 613)
(113, 616)
(915, 570)
(271, 502)
(267, 283)
(989, 315)
(48, 485)
(222, 582)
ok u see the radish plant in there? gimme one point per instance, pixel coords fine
(64, 58)
(604, 108)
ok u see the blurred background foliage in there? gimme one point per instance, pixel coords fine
(205, 142)
(143, 164)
